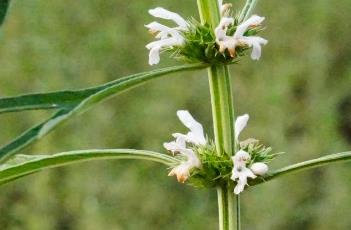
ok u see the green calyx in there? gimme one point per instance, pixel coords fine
(258, 152)
(216, 169)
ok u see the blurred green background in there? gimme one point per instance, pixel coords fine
(298, 96)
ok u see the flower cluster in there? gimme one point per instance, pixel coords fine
(238, 39)
(192, 41)
(200, 161)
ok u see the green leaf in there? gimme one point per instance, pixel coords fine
(32, 134)
(4, 5)
(310, 164)
(23, 165)
(52, 100)
(70, 98)
(68, 111)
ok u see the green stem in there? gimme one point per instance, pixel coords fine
(238, 213)
(247, 10)
(223, 116)
(222, 109)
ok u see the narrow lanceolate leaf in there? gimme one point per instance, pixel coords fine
(4, 5)
(52, 100)
(32, 134)
(101, 93)
(310, 164)
(69, 98)
(23, 165)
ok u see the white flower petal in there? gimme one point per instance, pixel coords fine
(240, 175)
(154, 55)
(164, 43)
(160, 12)
(196, 134)
(259, 168)
(256, 43)
(182, 171)
(176, 146)
(221, 29)
(161, 30)
(239, 187)
(240, 172)
(156, 46)
(240, 124)
(247, 173)
(192, 158)
(241, 158)
(254, 20)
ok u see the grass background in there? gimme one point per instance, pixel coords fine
(298, 96)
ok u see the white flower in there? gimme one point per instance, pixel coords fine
(240, 172)
(259, 168)
(229, 43)
(195, 136)
(168, 37)
(182, 171)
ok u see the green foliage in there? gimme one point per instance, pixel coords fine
(79, 102)
(4, 5)
(23, 165)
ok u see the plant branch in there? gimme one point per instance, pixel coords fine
(23, 165)
(305, 165)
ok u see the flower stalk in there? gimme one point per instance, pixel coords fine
(223, 115)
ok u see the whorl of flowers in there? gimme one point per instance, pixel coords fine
(191, 41)
(205, 167)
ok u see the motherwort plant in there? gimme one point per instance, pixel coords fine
(221, 37)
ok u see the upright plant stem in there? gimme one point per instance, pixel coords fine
(223, 116)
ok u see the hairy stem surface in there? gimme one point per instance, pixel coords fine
(223, 116)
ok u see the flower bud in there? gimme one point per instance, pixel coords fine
(259, 168)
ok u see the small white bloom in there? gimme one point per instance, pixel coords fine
(195, 136)
(240, 172)
(168, 37)
(182, 171)
(259, 168)
(238, 39)
(240, 124)
(241, 177)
